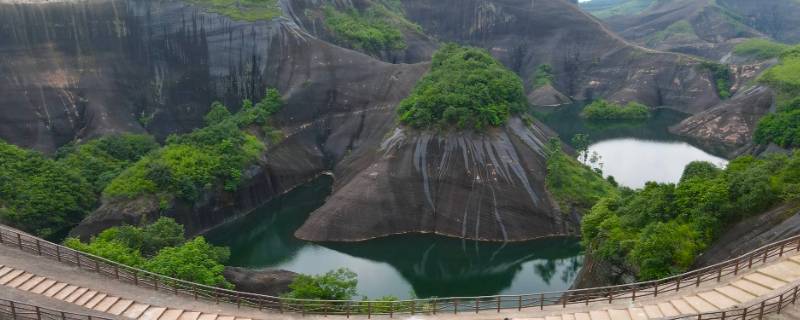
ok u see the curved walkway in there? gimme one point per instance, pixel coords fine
(48, 281)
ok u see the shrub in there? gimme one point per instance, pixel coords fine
(572, 183)
(543, 76)
(466, 88)
(602, 110)
(722, 77)
(369, 31)
(195, 261)
(334, 285)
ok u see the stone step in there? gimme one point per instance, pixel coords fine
(225, 318)
(638, 314)
(786, 271)
(120, 307)
(668, 310)
(64, 293)
(553, 318)
(20, 280)
(32, 283)
(717, 299)
(568, 316)
(171, 314)
(207, 316)
(765, 280)
(189, 315)
(617, 314)
(10, 276)
(85, 297)
(682, 306)
(735, 293)
(136, 310)
(4, 270)
(106, 304)
(751, 287)
(152, 313)
(55, 289)
(700, 304)
(95, 300)
(599, 315)
(75, 295)
(653, 311)
(44, 286)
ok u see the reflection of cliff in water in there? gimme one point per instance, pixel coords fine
(438, 266)
(431, 265)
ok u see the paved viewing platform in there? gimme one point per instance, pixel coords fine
(756, 287)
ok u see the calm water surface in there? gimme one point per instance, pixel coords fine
(634, 152)
(403, 266)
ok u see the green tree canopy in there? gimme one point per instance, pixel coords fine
(334, 285)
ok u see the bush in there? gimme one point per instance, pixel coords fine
(334, 285)
(246, 10)
(466, 88)
(602, 110)
(195, 261)
(785, 76)
(369, 31)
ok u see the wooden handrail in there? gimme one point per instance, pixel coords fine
(608, 294)
(10, 309)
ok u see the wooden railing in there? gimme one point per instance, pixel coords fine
(453, 305)
(14, 310)
(755, 311)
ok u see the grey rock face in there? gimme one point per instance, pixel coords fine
(477, 186)
(547, 96)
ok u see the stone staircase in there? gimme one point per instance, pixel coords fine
(96, 300)
(748, 288)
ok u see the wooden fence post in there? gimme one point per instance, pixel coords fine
(744, 313)
(19, 241)
(541, 301)
(498, 304)
(58, 253)
(38, 312)
(13, 310)
(38, 247)
(761, 310)
(780, 303)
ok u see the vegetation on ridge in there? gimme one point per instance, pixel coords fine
(466, 88)
(783, 126)
(370, 31)
(659, 230)
(191, 163)
(47, 196)
(572, 183)
(243, 10)
(760, 49)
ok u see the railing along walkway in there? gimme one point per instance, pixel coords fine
(10, 309)
(630, 293)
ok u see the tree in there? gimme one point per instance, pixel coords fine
(338, 284)
(581, 143)
(217, 114)
(195, 261)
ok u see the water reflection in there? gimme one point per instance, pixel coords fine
(403, 266)
(633, 152)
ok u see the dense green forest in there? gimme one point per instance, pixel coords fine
(47, 196)
(602, 110)
(372, 31)
(659, 230)
(466, 89)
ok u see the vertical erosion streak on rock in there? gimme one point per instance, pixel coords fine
(421, 164)
(497, 215)
(507, 151)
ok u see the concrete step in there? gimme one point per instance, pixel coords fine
(30, 284)
(751, 287)
(668, 310)
(171, 314)
(55, 289)
(700, 304)
(207, 316)
(136, 310)
(653, 311)
(75, 295)
(599, 315)
(5, 270)
(638, 314)
(120, 307)
(787, 271)
(735, 293)
(682, 306)
(18, 281)
(152, 313)
(95, 300)
(106, 304)
(10, 276)
(85, 297)
(64, 293)
(225, 318)
(44, 286)
(189, 315)
(717, 299)
(765, 280)
(619, 314)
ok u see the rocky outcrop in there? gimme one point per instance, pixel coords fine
(267, 282)
(728, 128)
(547, 96)
(469, 185)
(588, 60)
(773, 225)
